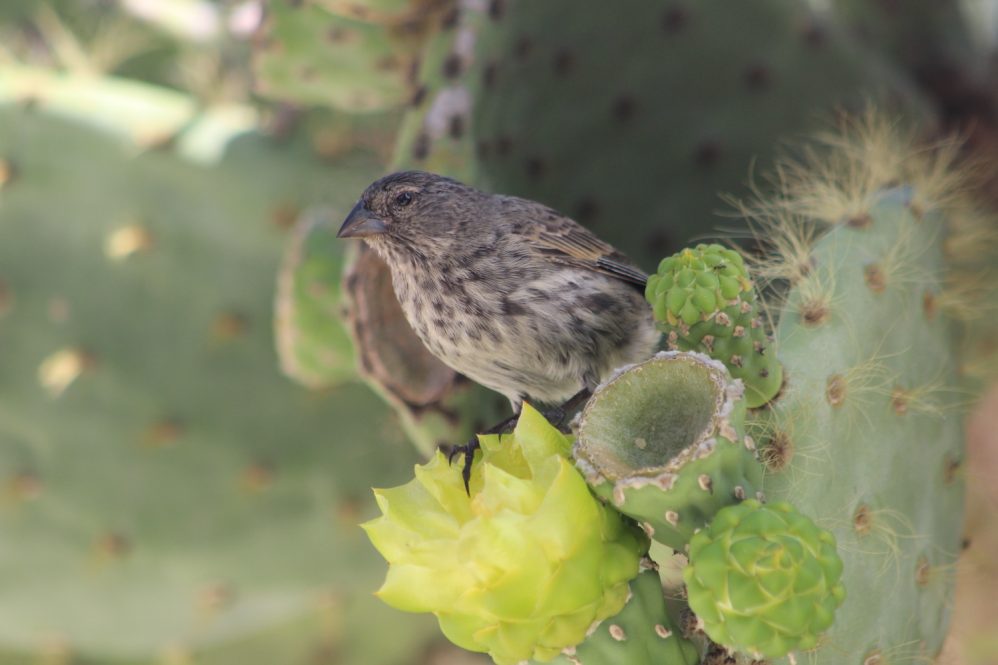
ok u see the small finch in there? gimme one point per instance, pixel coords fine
(506, 291)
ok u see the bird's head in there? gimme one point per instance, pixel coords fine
(411, 211)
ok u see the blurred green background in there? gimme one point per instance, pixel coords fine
(168, 495)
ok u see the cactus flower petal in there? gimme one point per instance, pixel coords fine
(523, 566)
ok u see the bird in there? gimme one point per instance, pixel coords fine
(504, 290)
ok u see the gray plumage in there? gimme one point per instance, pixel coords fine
(506, 291)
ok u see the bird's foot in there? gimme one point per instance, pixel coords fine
(559, 416)
(468, 450)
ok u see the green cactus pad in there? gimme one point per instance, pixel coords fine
(664, 442)
(866, 437)
(704, 301)
(640, 634)
(313, 56)
(764, 579)
(312, 343)
(170, 494)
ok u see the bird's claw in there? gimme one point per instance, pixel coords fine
(468, 450)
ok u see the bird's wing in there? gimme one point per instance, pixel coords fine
(565, 241)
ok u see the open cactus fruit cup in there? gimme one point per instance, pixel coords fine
(796, 447)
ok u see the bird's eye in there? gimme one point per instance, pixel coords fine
(403, 199)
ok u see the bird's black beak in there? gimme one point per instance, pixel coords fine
(361, 223)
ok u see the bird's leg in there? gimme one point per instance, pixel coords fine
(468, 449)
(557, 416)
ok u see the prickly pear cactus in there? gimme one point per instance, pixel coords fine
(859, 452)
(872, 395)
(871, 405)
(518, 96)
(165, 495)
(350, 56)
(312, 343)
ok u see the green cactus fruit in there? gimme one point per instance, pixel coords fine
(171, 496)
(640, 634)
(704, 301)
(664, 442)
(312, 342)
(521, 566)
(764, 579)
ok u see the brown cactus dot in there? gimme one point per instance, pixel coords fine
(359, 11)
(923, 571)
(674, 19)
(916, 210)
(348, 511)
(835, 390)
(412, 74)
(112, 545)
(929, 304)
(388, 63)
(815, 35)
(284, 215)
(564, 62)
(450, 19)
(859, 221)
(7, 172)
(163, 433)
(421, 147)
(216, 597)
(951, 469)
(24, 486)
(758, 78)
(623, 108)
(535, 168)
(814, 312)
(777, 452)
(455, 126)
(228, 326)
(899, 400)
(489, 75)
(862, 519)
(496, 9)
(504, 145)
(524, 45)
(127, 240)
(708, 153)
(418, 95)
(258, 476)
(875, 278)
(586, 210)
(336, 34)
(453, 66)
(660, 241)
